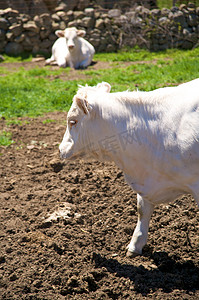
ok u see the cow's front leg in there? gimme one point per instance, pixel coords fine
(139, 239)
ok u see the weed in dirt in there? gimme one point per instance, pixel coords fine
(48, 121)
(6, 138)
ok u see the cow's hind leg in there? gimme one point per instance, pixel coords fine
(140, 235)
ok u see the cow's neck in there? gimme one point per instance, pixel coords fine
(124, 129)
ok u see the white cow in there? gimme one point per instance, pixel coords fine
(71, 49)
(152, 136)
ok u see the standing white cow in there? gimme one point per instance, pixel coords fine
(152, 136)
(71, 49)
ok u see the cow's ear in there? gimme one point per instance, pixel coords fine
(81, 33)
(105, 86)
(59, 33)
(83, 105)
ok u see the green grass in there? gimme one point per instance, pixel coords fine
(5, 138)
(164, 3)
(169, 3)
(160, 69)
(31, 93)
(22, 57)
(40, 90)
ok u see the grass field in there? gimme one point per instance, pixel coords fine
(33, 92)
(169, 3)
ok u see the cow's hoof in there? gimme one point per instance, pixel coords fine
(132, 254)
(48, 61)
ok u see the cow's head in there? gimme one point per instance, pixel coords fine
(80, 121)
(71, 35)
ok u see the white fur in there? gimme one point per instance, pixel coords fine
(71, 49)
(152, 136)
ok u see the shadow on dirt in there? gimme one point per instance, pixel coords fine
(166, 273)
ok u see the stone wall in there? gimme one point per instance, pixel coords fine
(107, 30)
(38, 7)
(157, 29)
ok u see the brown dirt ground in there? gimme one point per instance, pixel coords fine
(64, 227)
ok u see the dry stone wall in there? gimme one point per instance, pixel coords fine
(107, 30)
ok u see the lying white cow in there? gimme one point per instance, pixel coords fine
(71, 49)
(152, 136)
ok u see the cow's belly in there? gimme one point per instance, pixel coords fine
(166, 195)
(158, 190)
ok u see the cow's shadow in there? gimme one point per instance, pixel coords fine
(167, 274)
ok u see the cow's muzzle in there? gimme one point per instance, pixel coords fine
(71, 47)
(66, 149)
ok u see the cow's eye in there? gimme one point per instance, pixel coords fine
(72, 122)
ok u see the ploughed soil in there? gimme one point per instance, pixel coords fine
(64, 227)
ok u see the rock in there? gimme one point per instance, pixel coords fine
(99, 24)
(78, 14)
(45, 20)
(9, 12)
(37, 21)
(35, 40)
(31, 26)
(39, 7)
(70, 15)
(88, 22)
(89, 12)
(62, 25)
(31, 34)
(156, 12)
(35, 49)
(4, 24)
(19, 38)
(82, 4)
(61, 7)
(163, 20)
(114, 13)
(10, 36)
(52, 37)
(178, 17)
(55, 17)
(2, 34)
(191, 5)
(27, 44)
(174, 9)
(192, 20)
(16, 29)
(12, 20)
(110, 48)
(72, 24)
(25, 18)
(44, 33)
(13, 48)
(182, 7)
(165, 12)
(95, 42)
(45, 44)
(55, 26)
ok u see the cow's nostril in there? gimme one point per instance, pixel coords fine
(70, 46)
